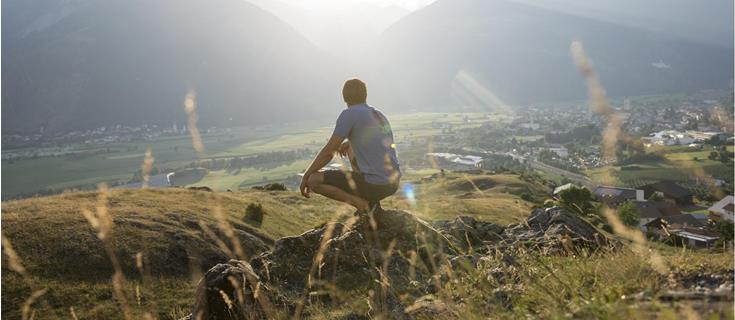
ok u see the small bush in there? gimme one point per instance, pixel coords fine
(254, 213)
(528, 197)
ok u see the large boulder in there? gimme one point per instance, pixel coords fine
(233, 290)
(348, 254)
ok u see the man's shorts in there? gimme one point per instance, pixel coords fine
(368, 191)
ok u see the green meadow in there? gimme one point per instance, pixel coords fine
(680, 164)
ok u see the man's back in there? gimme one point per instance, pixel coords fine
(371, 139)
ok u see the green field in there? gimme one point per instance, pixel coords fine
(92, 164)
(223, 180)
(680, 165)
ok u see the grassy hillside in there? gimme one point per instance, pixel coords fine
(158, 238)
(60, 250)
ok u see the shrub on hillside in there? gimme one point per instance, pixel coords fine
(725, 229)
(577, 200)
(628, 215)
(527, 197)
(254, 213)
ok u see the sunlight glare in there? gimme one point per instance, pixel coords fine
(408, 191)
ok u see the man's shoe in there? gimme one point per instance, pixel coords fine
(373, 208)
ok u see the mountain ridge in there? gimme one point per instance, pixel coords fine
(86, 64)
(122, 62)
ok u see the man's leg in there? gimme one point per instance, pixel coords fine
(316, 184)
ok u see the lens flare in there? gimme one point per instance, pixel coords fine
(408, 192)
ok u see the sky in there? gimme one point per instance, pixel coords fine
(339, 26)
(318, 5)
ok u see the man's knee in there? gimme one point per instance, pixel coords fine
(315, 180)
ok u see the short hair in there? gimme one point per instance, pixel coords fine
(354, 91)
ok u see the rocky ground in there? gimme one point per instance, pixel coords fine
(480, 257)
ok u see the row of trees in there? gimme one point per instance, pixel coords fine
(723, 156)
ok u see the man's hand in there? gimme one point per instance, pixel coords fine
(304, 187)
(344, 149)
(322, 159)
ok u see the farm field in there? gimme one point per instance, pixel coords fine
(679, 165)
(92, 164)
(222, 179)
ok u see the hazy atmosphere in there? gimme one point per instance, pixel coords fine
(367, 159)
(84, 64)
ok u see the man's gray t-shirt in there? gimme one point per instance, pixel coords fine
(371, 139)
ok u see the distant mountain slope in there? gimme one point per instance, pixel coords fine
(76, 64)
(510, 52)
(80, 64)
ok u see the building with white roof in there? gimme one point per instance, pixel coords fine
(724, 208)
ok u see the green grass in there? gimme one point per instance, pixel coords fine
(586, 287)
(448, 198)
(222, 179)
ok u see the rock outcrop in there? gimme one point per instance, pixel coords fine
(392, 247)
(271, 187)
(555, 230)
(469, 232)
(347, 254)
(552, 230)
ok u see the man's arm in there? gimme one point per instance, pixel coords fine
(321, 160)
(345, 150)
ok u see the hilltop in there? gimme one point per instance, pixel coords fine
(166, 239)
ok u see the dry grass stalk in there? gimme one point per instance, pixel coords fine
(137, 294)
(226, 227)
(599, 105)
(611, 135)
(139, 262)
(146, 167)
(190, 105)
(472, 183)
(13, 258)
(73, 314)
(317, 262)
(430, 150)
(640, 245)
(348, 174)
(226, 299)
(102, 222)
(613, 132)
(220, 244)
(26, 309)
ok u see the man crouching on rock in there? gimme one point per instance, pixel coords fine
(375, 170)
